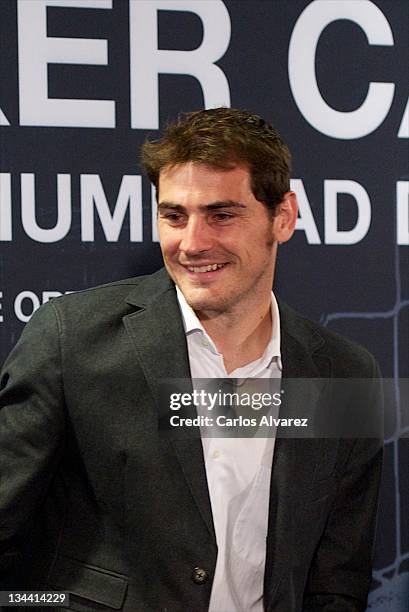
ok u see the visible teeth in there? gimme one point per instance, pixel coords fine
(209, 268)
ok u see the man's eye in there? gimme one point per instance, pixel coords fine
(221, 216)
(172, 217)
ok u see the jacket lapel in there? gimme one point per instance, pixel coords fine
(295, 459)
(157, 331)
(158, 335)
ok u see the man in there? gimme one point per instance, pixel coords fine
(96, 502)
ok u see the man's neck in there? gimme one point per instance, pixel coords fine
(241, 337)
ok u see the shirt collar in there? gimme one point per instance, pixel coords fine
(192, 324)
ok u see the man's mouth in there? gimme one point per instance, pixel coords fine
(207, 268)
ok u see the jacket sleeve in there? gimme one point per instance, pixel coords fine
(31, 429)
(340, 575)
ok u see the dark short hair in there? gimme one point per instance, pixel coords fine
(224, 138)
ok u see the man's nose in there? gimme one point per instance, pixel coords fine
(197, 236)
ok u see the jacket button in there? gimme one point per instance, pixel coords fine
(200, 575)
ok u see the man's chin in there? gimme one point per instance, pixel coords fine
(200, 300)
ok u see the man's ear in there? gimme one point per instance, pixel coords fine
(286, 217)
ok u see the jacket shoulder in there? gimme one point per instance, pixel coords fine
(118, 289)
(349, 357)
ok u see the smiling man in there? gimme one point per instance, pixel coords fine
(95, 502)
(219, 245)
(218, 241)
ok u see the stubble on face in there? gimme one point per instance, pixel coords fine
(233, 300)
(245, 244)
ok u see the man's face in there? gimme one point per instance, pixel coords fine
(217, 240)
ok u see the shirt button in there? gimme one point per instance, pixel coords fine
(216, 454)
(205, 343)
(200, 575)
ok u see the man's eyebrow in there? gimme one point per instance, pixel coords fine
(211, 206)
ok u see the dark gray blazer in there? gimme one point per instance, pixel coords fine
(94, 502)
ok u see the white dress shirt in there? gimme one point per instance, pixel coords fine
(238, 474)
